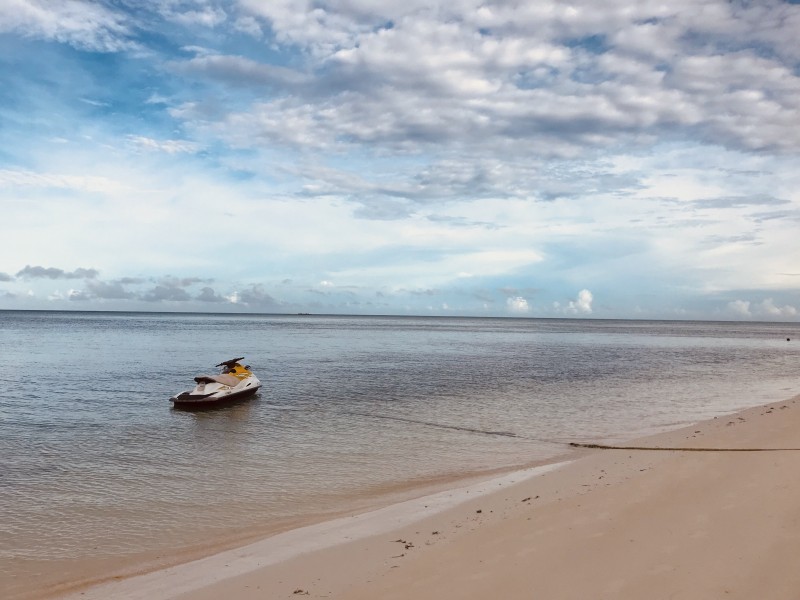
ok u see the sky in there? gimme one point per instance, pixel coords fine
(587, 159)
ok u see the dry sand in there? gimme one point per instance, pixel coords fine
(611, 524)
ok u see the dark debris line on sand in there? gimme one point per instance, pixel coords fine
(662, 448)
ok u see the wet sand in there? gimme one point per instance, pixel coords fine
(721, 520)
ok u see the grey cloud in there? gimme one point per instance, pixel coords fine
(382, 209)
(37, 272)
(79, 296)
(530, 80)
(745, 238)
(534, 122)
(740, 201)
(256, 296)
(167, 288)
(181, 282)
(462, 222)
(321, 27)
(172, 289)
(577, 180)
(5, 277)
(326, 180)
(741, 99)
(208, 294)
(109, 291)
(782, 215)
(241, 71)
(471, 176)
(165, 293)
(665, 222)
(461, 178)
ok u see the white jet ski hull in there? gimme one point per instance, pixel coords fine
(235, 383)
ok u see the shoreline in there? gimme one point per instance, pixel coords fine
(362, 555)
(289, 545)
(151, 561)
(401, 495)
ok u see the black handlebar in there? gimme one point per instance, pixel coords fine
(230, 363)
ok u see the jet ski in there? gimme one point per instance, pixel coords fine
(233, 382)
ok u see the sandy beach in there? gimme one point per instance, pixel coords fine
(720, 519)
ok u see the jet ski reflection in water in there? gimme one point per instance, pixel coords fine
(234, 382)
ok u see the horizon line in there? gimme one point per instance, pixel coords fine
(398, 316)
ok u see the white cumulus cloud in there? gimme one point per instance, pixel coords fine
(766, 309)
(740, 308)
(582, 304)
(517, 304)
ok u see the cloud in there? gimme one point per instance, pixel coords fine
(461, 222)
(314, 27)
(131, 280)
(240, 71)
(208, 294)
(765, 309)
(248, 25)
(182, 282)
(769, 309)
(254, 296)
(5, 277)
(740, 308)
(547, 80)
(78, 183)
(162, 293)
(467, 176)
(172, 289)
(72, 295)
(205, 16)
(740, 201)
(109, 291)
(84, 25)
(582, 304)
(37, 272)
(517, 304)
(168, 146)
(78, 296)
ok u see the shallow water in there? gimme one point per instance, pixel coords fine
(95, 463)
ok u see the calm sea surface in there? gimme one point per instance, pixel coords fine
(98, 470)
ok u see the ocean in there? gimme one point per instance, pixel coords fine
(101, 476)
